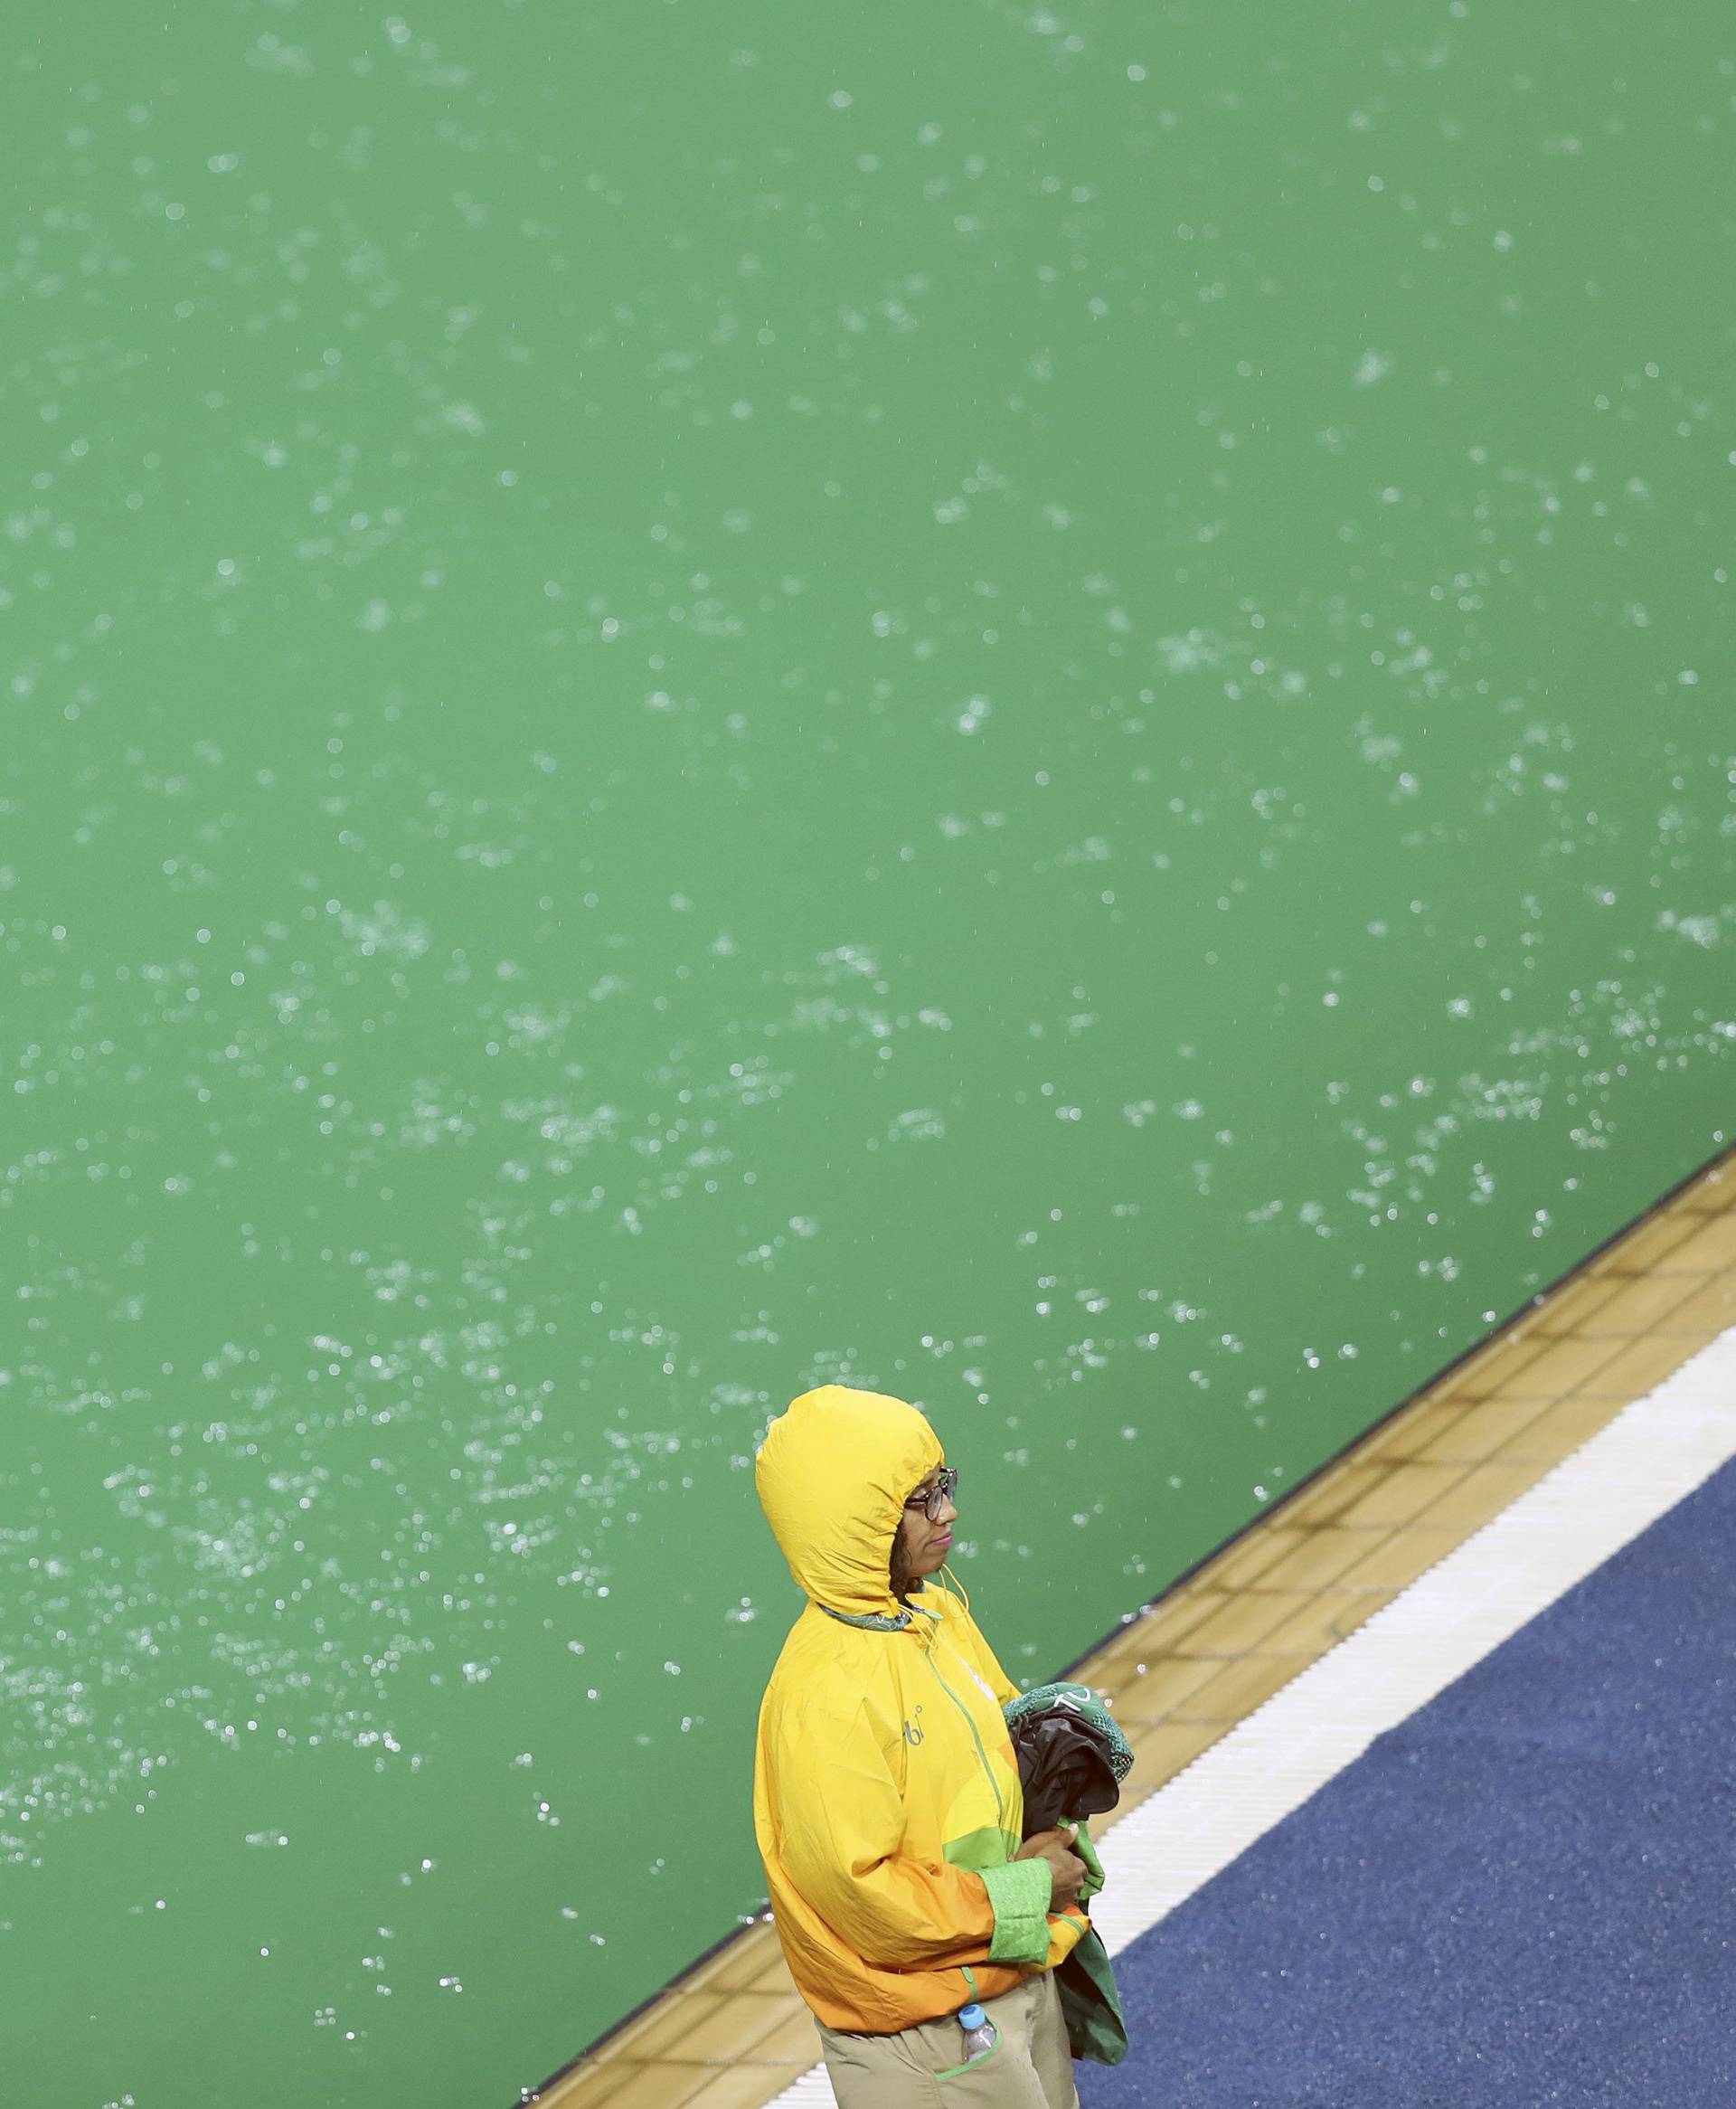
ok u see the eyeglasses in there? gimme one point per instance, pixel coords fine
(935, 1501)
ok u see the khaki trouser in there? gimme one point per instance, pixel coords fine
(1030, 2067)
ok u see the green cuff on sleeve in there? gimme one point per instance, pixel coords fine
(1020, 1892)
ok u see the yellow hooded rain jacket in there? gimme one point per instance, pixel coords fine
(886, 1796)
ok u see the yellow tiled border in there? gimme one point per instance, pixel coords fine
(733, 2032)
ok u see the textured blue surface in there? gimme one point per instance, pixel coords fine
(1524, 1894)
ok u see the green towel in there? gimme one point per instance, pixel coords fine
(1041, 1697)
(1089, 2000)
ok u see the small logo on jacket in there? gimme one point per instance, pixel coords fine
(913, 1731)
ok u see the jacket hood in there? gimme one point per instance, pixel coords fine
(833, 1474)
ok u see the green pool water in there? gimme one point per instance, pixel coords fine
(1031, 708)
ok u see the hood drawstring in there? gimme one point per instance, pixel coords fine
(880, 1623)
(953, 1587)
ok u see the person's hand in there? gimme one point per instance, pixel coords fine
(1067, 1871)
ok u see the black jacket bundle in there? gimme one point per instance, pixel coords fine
(1072, 1758)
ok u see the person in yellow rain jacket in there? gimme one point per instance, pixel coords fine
(886, 1798)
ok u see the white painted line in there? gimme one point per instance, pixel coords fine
(1652, 1455)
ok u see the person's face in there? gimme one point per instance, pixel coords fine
(926, 1544)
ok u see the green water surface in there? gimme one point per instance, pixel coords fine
(1032, 708)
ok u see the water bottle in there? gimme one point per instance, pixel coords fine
(980, 2033)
